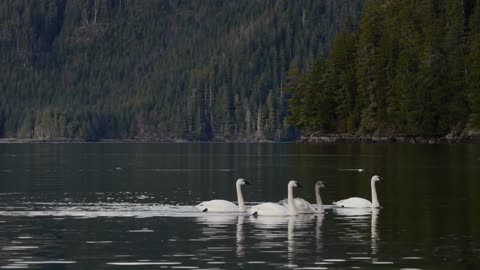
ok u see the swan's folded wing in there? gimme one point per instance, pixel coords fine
(283, 202)
(269, 209)
(303, 206)
(217, 206)
(354, 202)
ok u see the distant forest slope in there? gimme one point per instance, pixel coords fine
(155, 70)
(410, 68)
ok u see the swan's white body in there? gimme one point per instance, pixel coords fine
(270, 209)
(303, 206)
(356, 202)
(218, 206)
(223, 206)
(274, 209)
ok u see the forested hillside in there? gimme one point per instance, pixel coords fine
(411, 67)
(156, 70)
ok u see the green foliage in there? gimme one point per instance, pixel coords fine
(312, 101)
(342, 78)
(473, 67)
(411, 68)
(149, 69)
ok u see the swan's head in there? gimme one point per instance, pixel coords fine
(376, 178)
(294, 183)
(242, 181)
(319, 184)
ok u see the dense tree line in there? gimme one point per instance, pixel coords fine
(410, 67)
(197, 70)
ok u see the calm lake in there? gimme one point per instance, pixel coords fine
(130, 206)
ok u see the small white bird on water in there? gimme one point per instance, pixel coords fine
(223, 206)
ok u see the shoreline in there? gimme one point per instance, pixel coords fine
(321, 139)
(371, 139)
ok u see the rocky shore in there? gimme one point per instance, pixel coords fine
(452, 138)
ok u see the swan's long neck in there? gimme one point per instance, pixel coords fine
(291, 205)
(375, 202)
(241, 202)
(319, 200)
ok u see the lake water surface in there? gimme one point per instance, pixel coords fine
(130, 206)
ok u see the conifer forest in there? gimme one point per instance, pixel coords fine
(238, 70)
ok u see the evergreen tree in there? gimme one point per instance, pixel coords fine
(455, 114)
(411, 68)
(120, 69)
(473, 70)
(343, 72)
(368, 70)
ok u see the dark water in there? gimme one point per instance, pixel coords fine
(130, 206)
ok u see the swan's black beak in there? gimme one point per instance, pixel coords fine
(380, 178)
(299, 186)
(246, 182)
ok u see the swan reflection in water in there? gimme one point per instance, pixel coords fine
(219, 227)
(318, 232)
(217, 220)
(271, 231)
(374, 231)
(239, 236)
(358, 218)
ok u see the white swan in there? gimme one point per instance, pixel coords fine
(219, 206)
(356, 202)
(303, 206)
(274, 209)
